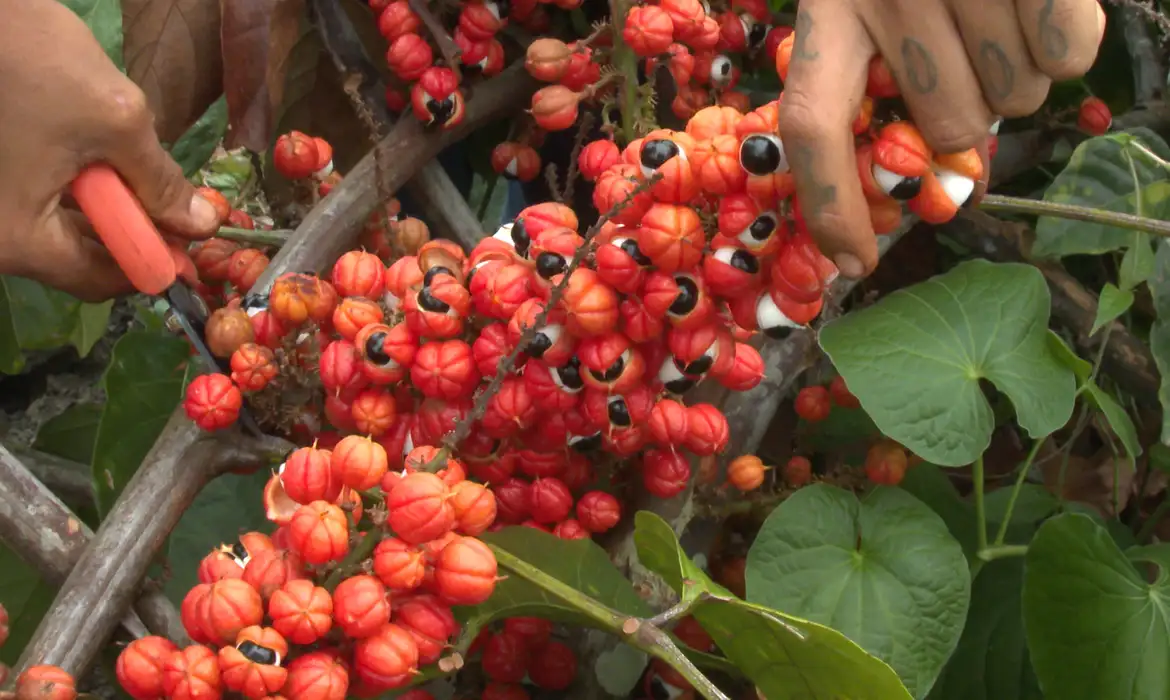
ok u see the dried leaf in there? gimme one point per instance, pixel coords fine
(1089, 479)
(172, 52)
(257, 36)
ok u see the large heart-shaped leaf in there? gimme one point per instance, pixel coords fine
(34, 317)
(915, 359)
(885, 571)
(785, 656)
(144, 383)
(1107, 172)
(580, 563)
(104, 19)
(991, 660)
(1096, 627)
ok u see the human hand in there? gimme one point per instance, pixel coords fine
(65, 106)
(959, 63)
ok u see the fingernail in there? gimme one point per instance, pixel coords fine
(849, 265)
(203, 213)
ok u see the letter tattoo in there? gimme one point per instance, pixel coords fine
(814, 195)
(1051, 36)
(802, 27)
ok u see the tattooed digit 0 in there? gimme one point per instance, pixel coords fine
(802, 28)
(814, 194)
(998, 72)
(921, 72)
(1052, 36)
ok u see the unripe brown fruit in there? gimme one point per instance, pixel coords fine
(227, 330)
(555, 107)
(547, 59)
(412, 233)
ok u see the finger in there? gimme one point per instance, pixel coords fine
(826, 81)
(920, 41)
(61, 255)
(982, 183)
(157, 180)
(1063, 35)
(1012, 84)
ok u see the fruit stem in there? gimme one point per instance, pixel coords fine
(1038, 207)
(275, 238)
(627, 63)
(1011, 504)
(356, 556)
(641, 634)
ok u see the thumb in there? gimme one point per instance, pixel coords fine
(62, 254)
(158, 182)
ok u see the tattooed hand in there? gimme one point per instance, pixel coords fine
(959, 63)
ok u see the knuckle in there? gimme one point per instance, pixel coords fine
(800, 120)
(1025, 100)
(953, 134)
(126, 110)
(1072, 66)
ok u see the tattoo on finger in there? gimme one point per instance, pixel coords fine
(1052, 37)
(814, 194)
(802, 28)
(998, 72)
(921, 72)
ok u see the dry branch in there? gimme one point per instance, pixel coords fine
(68, 480)
(47, 536)
(104, 582)
(1127, 360)
(444, 208)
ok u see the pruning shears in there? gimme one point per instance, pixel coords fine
(152, 265)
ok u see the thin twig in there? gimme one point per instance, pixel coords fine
(258, 237)
(447, 47)
(583, 129)
(1039, 207)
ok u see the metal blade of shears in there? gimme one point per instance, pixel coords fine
(191, 314)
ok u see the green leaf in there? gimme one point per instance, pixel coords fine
(1137, 265)
(931, 485)
(785, 656)
(915, 359)
(991, 661)
(1105, 172)
(1160, 349)
(1096, 629)
(224, 509)
(195, 147)
(619, 669)
(35, 317)
(72, 433)
(1118, 419)
(1033, 504)
(104, 19)
(26, 597)
(884, 570)
(1113, 303)
(143, 383)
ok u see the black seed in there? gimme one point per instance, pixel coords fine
(762, 227)
(697, 367)
(679, 386)
(889, 109)
(239, 552)
(428, 302)
(520, 237)
(722, 66)
(759, 155)
(442, 110)
(257, 654)
(779, 332)
(745, 262)
(588, 444)
(619, 413)
(503, 7)
(435, 272)
(375, 349)
(656, 152)
(615, 370)
(570, 374)
(687, 299)
(758, 33)
(470, 275)
(255, 301)
(907, 189)
(538, 346)
(549, 265)
(630, 247)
